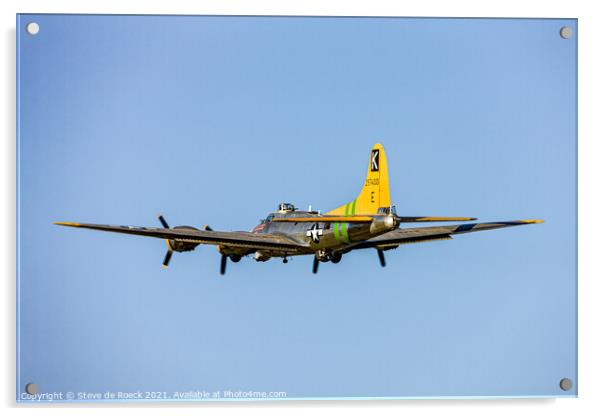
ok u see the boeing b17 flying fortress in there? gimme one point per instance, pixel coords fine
(369, 221)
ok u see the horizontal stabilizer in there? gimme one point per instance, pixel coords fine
(433, 219)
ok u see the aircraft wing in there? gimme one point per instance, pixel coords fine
(394, 238)
(241, 239)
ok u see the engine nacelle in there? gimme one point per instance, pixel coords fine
(333, 256)
(261, 256)
(181, 246)
(322, 255)
(383, 224)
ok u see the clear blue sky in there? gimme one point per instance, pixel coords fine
(214, 120)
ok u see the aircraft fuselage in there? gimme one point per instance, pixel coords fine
(328, 237)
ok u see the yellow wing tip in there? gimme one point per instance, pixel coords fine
(68, 224)
(532, 221)
(164, 266)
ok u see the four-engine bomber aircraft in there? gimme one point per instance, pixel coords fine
(369, 221)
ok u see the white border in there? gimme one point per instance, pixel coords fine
(590, 137)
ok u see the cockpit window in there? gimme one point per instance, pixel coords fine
(387, 210)
(269, 218)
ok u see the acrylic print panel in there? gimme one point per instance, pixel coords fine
(216, 120)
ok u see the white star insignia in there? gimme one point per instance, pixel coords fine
(314, 232)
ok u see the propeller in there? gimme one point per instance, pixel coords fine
(163, 222)
(314, 269)
(176, 244)
(223, 263)
(167, 257)
(381, 257)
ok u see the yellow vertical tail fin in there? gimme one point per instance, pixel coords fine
(375, 192)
